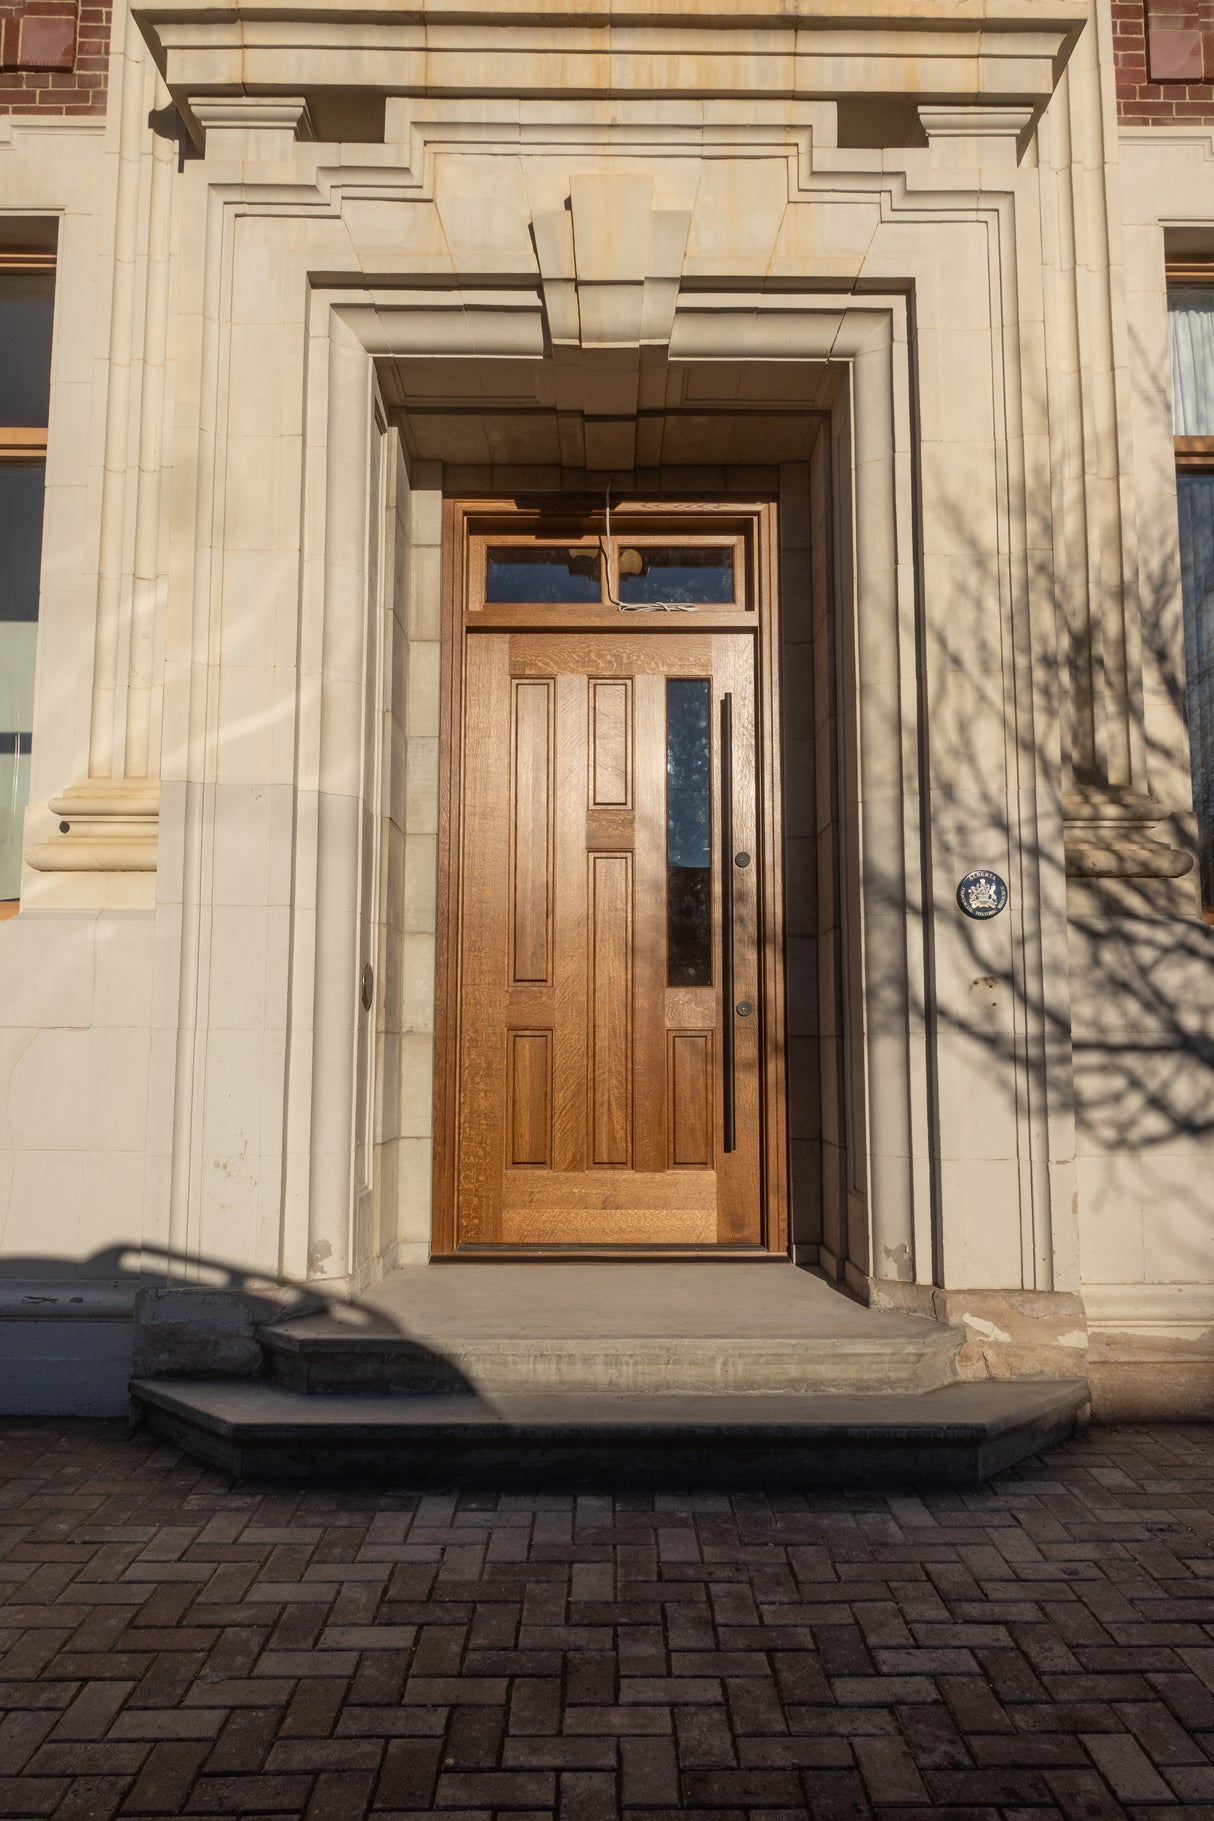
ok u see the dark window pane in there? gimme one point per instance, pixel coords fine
(26, 303)
(688, 833)
(516, 574)
(1196, 498)
(667, 572)
(20, 553)
(20, 539)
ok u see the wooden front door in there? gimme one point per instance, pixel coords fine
(608, 1070)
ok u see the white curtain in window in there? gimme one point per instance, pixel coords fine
(1191, 326)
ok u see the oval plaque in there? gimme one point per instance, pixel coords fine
(982, 894)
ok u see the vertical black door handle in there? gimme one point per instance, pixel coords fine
(729, 1113)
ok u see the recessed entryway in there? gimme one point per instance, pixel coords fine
(611, 1008)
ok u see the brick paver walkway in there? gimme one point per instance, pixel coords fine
(171, 1647)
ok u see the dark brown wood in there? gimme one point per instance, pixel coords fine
(1194, 452)
(577, 1095)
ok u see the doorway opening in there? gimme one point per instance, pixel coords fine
(610, 1060)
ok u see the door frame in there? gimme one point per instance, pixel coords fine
(573, 514)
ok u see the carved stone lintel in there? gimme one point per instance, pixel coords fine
(111, 828)
(610, 263)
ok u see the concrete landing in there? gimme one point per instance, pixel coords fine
(957, 1436)
(594, 1329)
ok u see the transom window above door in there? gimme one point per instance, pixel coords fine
(551, 569)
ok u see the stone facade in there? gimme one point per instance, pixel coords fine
(320, 269)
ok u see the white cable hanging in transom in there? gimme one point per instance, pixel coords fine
(639, 606)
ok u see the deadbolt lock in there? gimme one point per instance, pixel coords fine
(745, 1008)
(742, 859)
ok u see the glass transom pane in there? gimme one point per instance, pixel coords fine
(692, 574)
(556, 573)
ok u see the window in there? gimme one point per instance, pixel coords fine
(1191, 329)
(646, 564)
(26, 303)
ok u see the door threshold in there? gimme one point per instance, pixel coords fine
(612, 1255)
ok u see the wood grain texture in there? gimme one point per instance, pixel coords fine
(613, 1191)
(611, 743)
(690, 1099)
(634, 1226)
(585, 1089)
(531, 843)
(529, 1074)
(610, 895)
(649, 964)
(571, 1016)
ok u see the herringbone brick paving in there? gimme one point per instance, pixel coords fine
(170, 1646)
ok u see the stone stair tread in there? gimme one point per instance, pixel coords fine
(446, 1305)
(956, 1436)
(324, 1361)
(614, 1329)
(254, 1406)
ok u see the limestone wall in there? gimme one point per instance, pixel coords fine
(218, 1000)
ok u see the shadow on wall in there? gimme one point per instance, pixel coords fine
(73, 1333)
(1105, 1015)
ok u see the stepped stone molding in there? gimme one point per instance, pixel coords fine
(1108, 839)
(326, 218)
(259, 126)
(866, 337)
(106, 827)
(952, 131)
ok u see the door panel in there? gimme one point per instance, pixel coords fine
(589, 1075)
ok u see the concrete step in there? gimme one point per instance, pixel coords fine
(606, 1329)
(956, 1436)
(315, 1355)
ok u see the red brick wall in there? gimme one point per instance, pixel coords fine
(54, 56)
(1165, 61)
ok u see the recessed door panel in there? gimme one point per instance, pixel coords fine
(531, 845)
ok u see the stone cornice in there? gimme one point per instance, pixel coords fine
(1006, 52)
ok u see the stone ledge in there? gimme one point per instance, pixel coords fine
(1151, 1351)
(1009, 1334)
(1002, 51)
